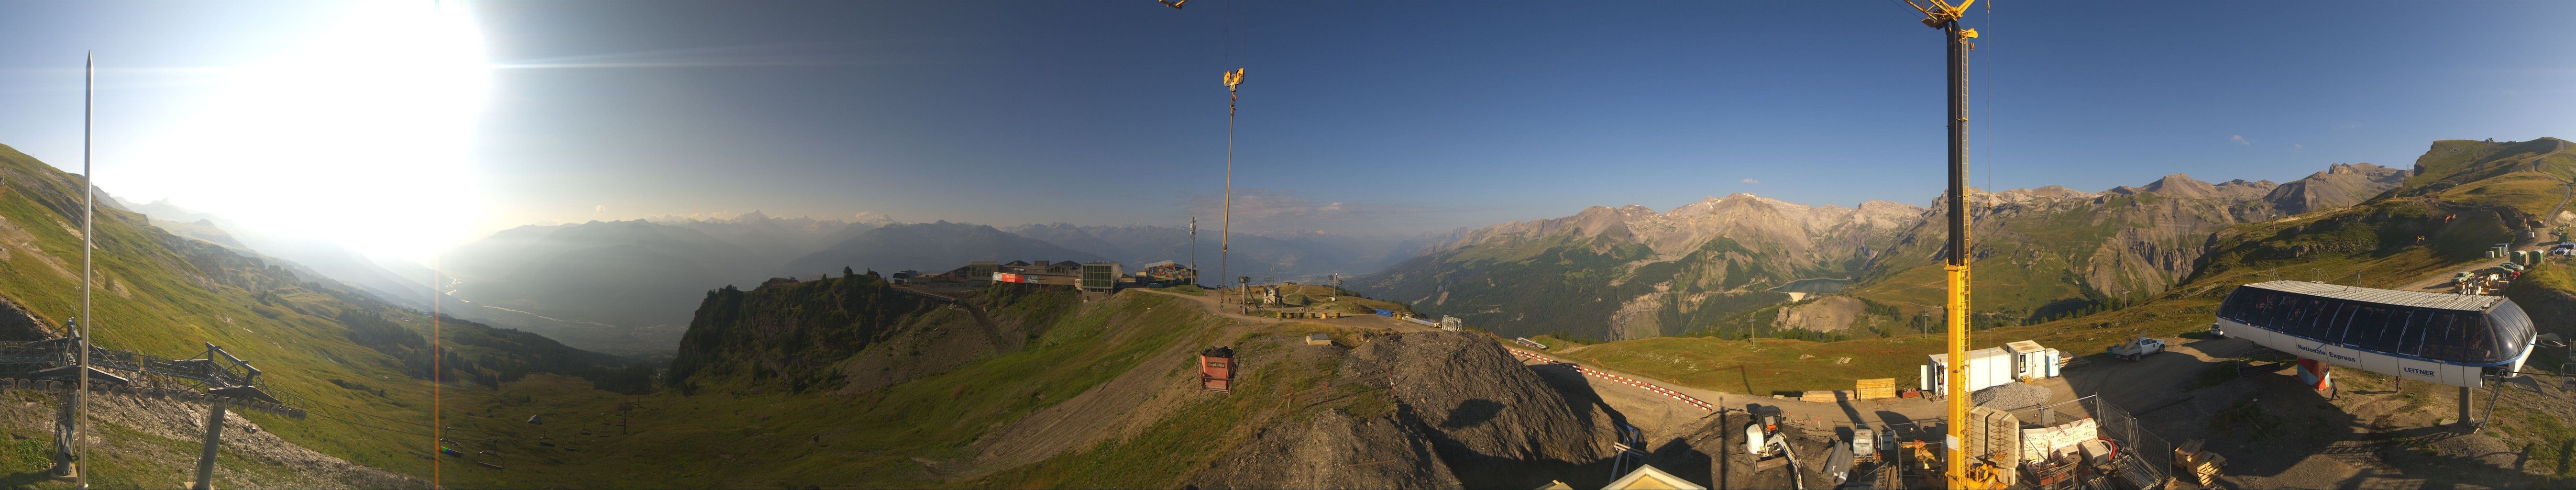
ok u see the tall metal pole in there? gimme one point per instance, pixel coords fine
(1955, 464)
(89, 210)
(1194, 248)
(1224, 239)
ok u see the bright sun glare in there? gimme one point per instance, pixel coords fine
(360, 137)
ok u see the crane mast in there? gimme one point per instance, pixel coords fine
(1939, 14)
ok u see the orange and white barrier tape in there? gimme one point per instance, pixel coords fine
(1667, 392)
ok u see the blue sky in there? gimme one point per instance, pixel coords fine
(1358, 117)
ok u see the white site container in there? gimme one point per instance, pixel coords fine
(1987, 368)
(2032, 361)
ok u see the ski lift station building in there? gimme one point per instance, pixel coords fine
(2452, 339)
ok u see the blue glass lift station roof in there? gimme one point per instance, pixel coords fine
(2462, 302)
(2456, 329)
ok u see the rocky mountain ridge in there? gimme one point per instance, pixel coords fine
(1680, 271)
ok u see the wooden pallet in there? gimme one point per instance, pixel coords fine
(2198, 464)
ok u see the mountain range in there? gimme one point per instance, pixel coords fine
(1294, 256)
(396, 281)
(1726, 265)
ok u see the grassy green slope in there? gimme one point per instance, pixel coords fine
(167, 296)
(744, 431)
(1565, 285)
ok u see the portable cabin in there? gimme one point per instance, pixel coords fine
(2032, 361)
(1216, 369)
(1987, 368)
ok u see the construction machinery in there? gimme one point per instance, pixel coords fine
(1940, 14)
(1770, 449)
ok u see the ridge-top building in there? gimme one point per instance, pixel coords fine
(1099, 277)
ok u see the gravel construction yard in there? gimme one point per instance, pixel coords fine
(2376, 434)
(2010, 396)
(2274, 432)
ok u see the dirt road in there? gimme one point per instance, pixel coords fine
(1217, 304)
(2441, 282)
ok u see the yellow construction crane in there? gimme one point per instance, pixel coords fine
(1942, 15)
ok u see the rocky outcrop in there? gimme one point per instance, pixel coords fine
(1467, 414)
(18, 324)
(1825, 314)
(2340, 185)
(1332, 450)
(2183, 186)
(2126, 242)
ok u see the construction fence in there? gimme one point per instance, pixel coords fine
(2144, 459)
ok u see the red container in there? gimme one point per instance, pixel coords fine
(1216, 369)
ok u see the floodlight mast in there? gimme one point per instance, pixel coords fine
(1939, 14)
(1225, 236)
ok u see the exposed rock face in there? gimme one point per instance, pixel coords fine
(1467, 414)
(2340, 185)
(2072, 248)
(1825, 314)
(2179, 185)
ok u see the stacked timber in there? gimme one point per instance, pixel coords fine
(1824, 396)
(1872, 389)
(2198, 464)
